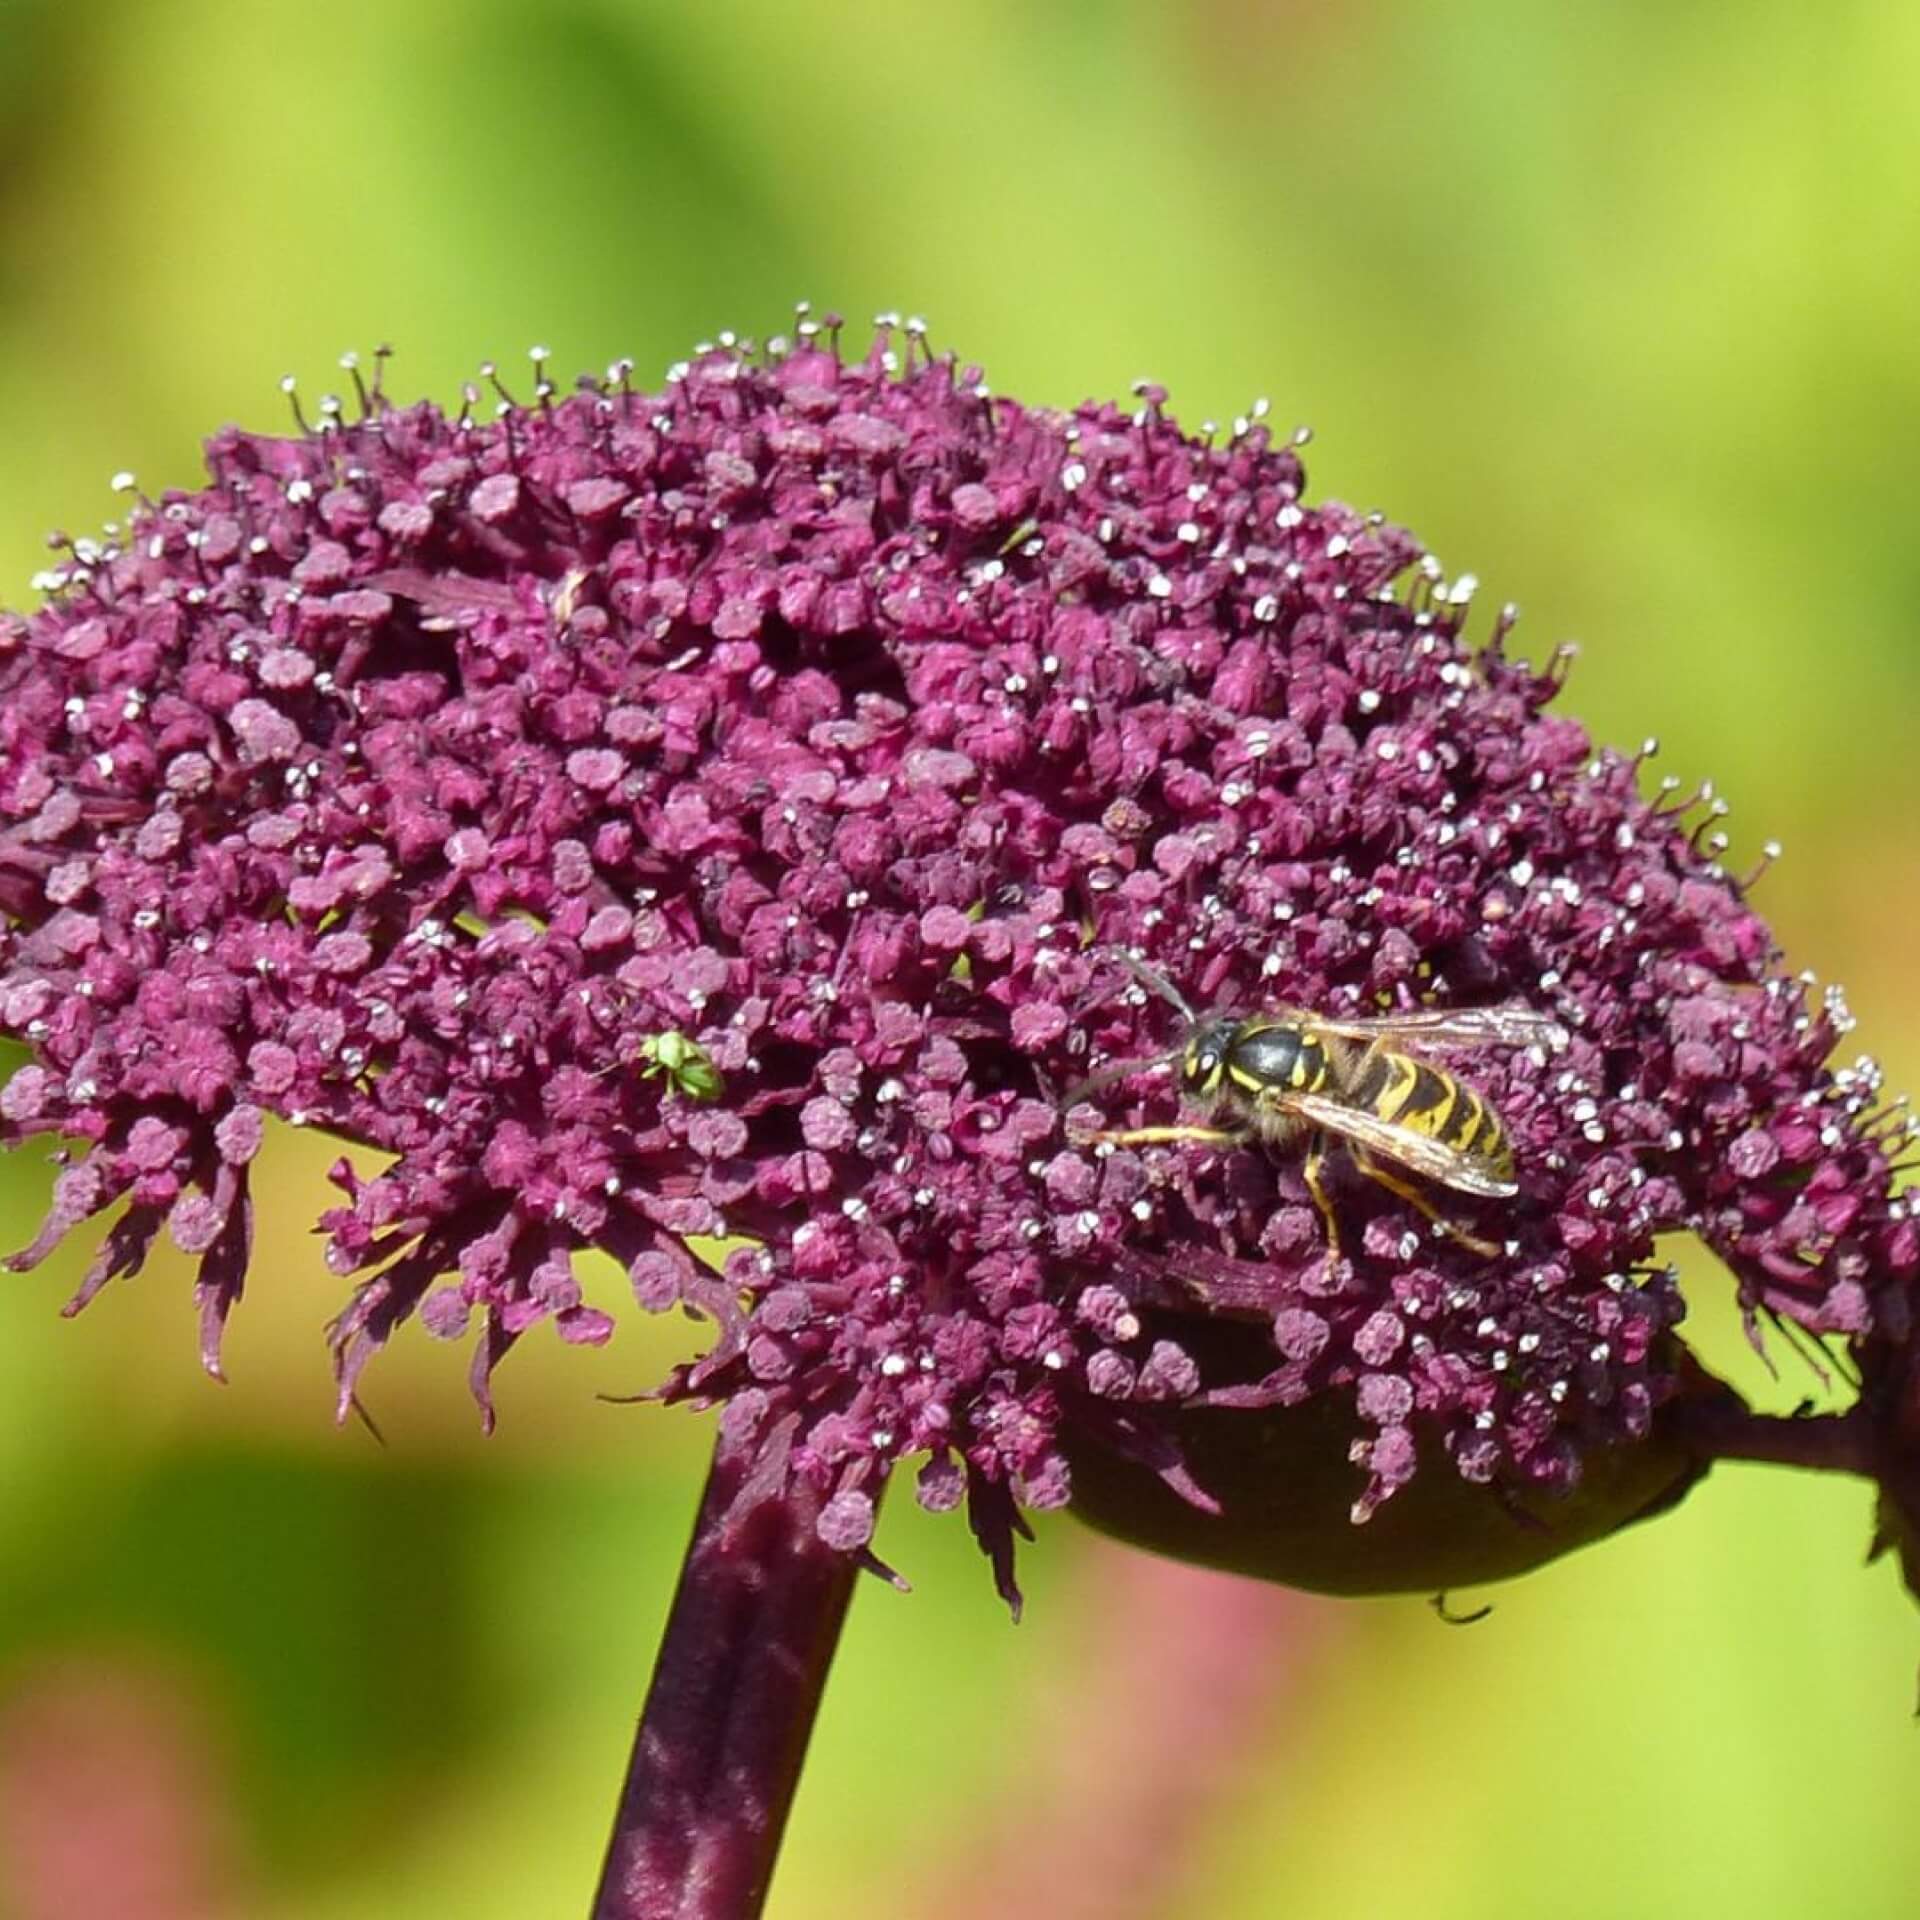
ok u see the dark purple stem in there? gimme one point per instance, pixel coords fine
(1842, 1442)
(738, 1680)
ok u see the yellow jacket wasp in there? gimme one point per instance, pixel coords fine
(1278, 1075)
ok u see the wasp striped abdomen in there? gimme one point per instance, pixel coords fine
(1420, 1099)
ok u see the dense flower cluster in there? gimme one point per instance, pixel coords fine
(717, 813)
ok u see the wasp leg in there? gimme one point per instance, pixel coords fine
(1418, 1201)
(1315, 1161)
(1167, 1136)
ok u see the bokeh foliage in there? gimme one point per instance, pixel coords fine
(1613, 305)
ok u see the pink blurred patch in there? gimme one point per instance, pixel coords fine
(111, 1798)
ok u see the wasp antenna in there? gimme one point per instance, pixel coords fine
(1156, 982)
(1120, 1070)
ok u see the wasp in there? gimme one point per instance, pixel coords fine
(1282, 1075)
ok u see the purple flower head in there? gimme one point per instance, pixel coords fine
(636, 818)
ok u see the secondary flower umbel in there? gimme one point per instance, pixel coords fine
(717, 813)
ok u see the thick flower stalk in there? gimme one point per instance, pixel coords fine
(628, 819)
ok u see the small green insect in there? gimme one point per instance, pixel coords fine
(687, 1065)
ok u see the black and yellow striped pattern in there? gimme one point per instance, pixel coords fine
(1409, 1094)
(1264, 1055)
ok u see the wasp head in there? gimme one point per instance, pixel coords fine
(1203, 1065)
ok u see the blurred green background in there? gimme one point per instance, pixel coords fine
(1615, 307)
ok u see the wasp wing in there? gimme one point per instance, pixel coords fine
(1453, 1027)
(1431, 1158)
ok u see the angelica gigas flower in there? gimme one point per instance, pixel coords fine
(630, 818)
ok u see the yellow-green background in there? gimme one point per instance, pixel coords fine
(1614, 304)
